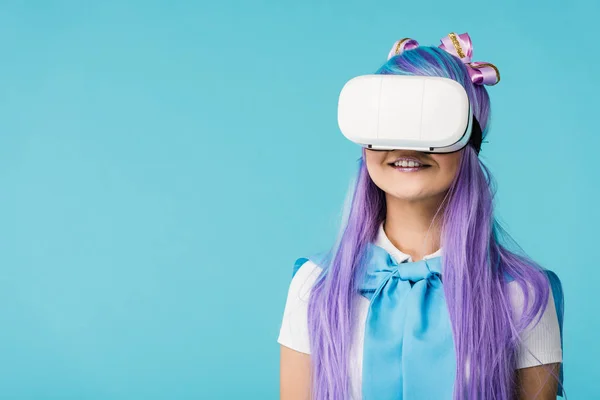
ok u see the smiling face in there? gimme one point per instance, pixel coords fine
(407, 180)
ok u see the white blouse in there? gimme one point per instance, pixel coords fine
(540, 342)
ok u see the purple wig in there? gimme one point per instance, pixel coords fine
(475, 262)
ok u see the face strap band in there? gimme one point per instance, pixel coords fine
(476, 135)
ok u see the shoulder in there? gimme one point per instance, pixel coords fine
(304, 277)
(521, 293)
(294, 332)
(541, 340)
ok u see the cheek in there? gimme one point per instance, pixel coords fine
(448, 166)
(374, 161)
(374, 157)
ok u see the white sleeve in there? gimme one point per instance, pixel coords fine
(294, 326)
(542, 341)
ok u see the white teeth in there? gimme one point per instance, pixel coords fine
(407, 164)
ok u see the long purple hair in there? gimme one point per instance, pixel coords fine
(474, 265)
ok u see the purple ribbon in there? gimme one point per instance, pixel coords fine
(481, 73)
(402, 45)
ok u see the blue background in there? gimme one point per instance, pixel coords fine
(162, 164)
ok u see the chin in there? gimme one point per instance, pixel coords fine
(410, 196)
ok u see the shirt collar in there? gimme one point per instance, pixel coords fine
(384, 242)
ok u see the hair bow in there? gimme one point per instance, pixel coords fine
(481, 73)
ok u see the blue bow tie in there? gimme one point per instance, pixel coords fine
(408, 349)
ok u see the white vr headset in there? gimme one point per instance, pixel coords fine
(423, 113)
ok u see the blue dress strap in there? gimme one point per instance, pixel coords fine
(317, 258)
(558, 295)
(297, 264)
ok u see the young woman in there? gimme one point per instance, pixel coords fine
(420, 297)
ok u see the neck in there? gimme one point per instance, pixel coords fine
(409, 226)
